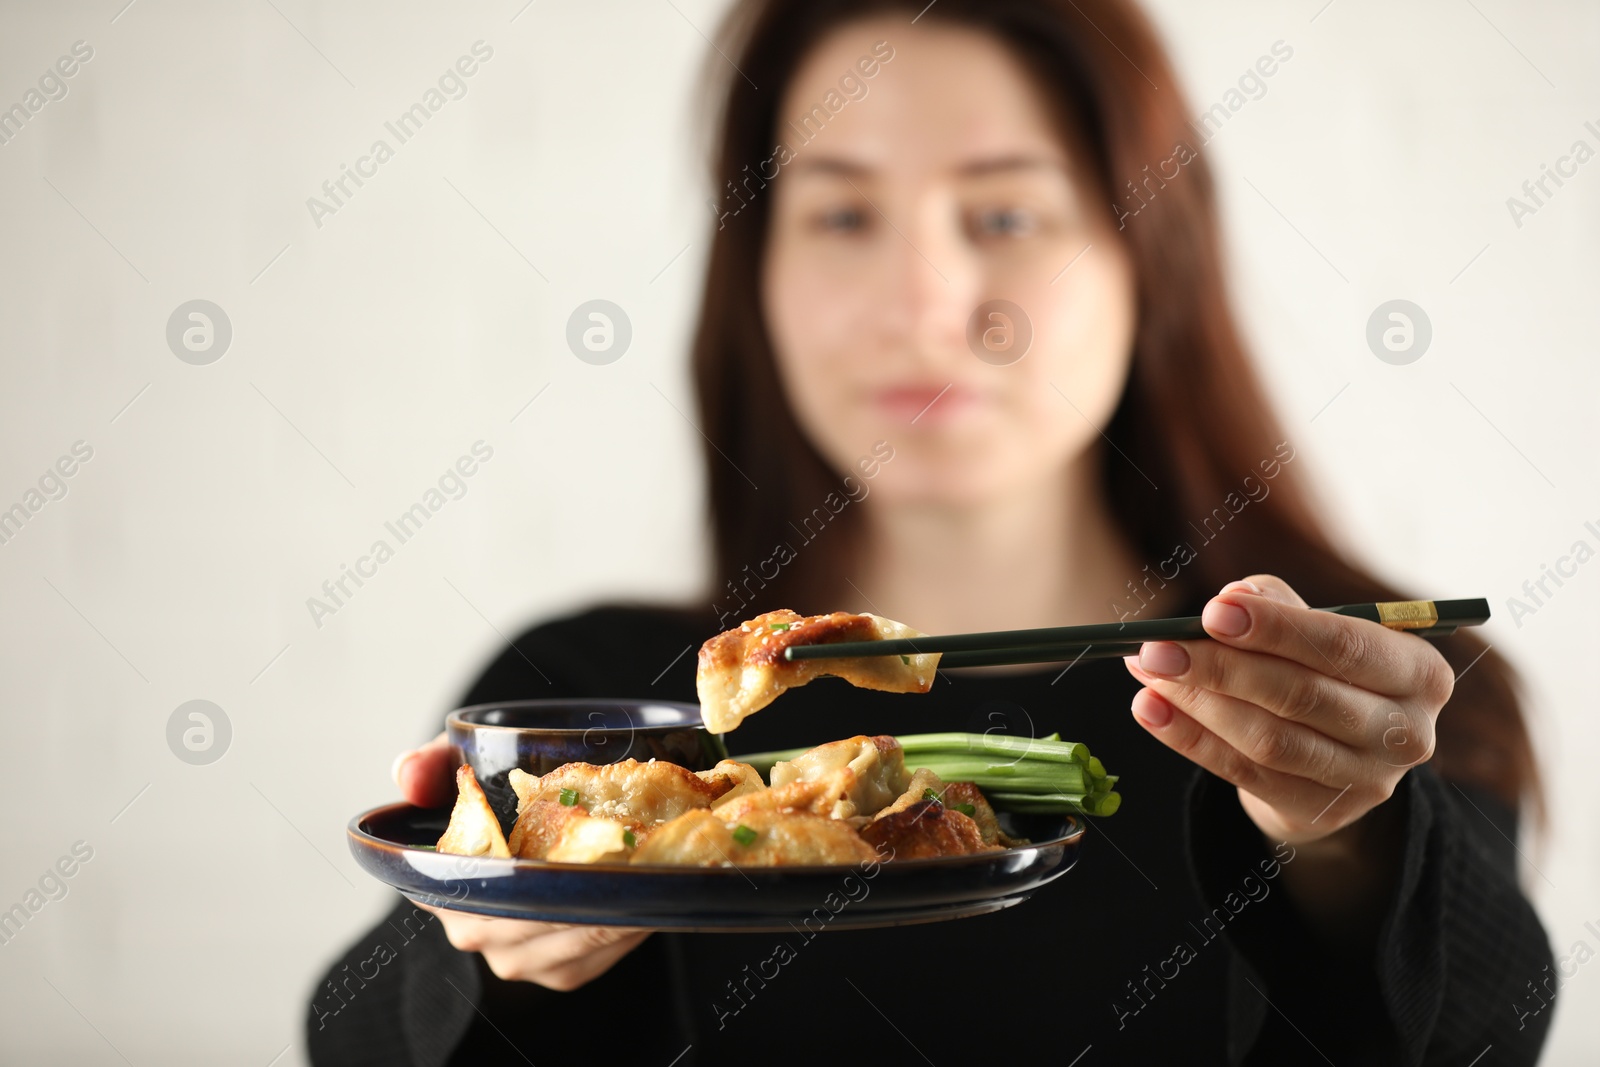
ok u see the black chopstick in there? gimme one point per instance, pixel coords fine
(1425, 618)
(1071, 654)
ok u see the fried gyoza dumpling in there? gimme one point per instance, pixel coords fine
(746, 779)
(821, 796)
(585, 839)
(539, 826)
(755, 839)
(957, 794)
(648, 792)
(473, 829)
(566, 833)
(743, 670)
(924, 829)
(922, 780)
(864, 773)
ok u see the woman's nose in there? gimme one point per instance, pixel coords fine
(930, 280)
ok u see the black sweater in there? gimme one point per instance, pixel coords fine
(1171, 941)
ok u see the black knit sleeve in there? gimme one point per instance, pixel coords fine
(402, 994)
(1448, 978)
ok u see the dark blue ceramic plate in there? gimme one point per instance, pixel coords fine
(716, 898)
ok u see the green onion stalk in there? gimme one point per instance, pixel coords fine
(1022, 774)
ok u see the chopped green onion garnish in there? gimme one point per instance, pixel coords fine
(967, 809)
(628, 838)
(569, 797)
(906, 660)
(778, 626)
(744, 835)
(929, 794)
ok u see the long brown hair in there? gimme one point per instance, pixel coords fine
(1193, 419)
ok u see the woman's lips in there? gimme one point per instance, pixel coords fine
(924, 404)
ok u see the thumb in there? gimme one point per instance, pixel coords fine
(425, 775)
(1270, 586)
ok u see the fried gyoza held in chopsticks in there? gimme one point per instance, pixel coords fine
(743, 670)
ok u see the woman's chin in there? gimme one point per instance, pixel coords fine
(945, 485)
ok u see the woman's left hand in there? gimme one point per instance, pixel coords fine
(1315, 717)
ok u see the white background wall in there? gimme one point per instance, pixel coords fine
(369, 353)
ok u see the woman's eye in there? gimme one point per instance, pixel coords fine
(1003, 222)
(842, 220)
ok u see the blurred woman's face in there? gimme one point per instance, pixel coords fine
(946, 186)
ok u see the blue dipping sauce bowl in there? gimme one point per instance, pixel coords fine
(538, 736)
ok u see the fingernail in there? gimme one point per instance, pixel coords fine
(1229, 620)
(399, 763)
(1150, 709)
(1163, 658)
(1252, 586)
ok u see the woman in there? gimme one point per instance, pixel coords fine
(1287, 880)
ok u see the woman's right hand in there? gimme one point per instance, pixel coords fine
(558, 956)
